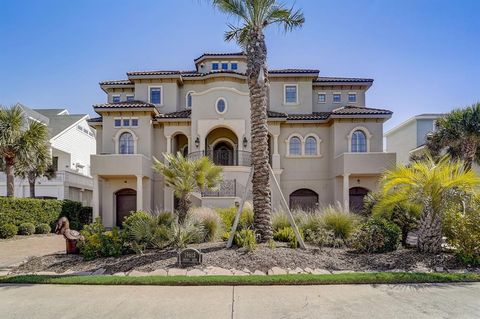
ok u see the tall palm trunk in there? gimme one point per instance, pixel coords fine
(469, 150)
(430, 232)
(258, 87)
(9, 162)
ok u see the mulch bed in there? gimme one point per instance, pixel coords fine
(263, 259)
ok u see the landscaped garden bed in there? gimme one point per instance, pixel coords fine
(263, 259)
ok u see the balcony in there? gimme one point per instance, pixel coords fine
(121, 165)
(224, 157)
(363, 163)
(66, 177)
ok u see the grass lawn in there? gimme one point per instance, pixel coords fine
(302, 279)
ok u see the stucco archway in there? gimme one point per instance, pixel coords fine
(304, 199)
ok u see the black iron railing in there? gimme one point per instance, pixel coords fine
(225, 157)
(227, 188)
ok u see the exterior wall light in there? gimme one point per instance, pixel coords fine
(245, 141)
(197, 142)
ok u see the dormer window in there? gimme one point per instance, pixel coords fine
(224, 66)
(215, 66)
(234, 66)
(115, 98)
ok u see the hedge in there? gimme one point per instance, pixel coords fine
(43, 211)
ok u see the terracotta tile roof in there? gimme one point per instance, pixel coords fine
(315, 116)
(117, 82)
(274, 114)
(125, 104)
(199, 74)
(95, 120)
(185, 114)
(218, 54)
(292, 71)
(353, 110)
(324, 79)
(157, 72)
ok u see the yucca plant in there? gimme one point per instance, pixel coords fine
(435, 186)
(185, 176)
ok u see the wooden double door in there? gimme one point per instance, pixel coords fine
(126, 202)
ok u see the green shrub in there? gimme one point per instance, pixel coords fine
(144, 230)
(43, 211)
(209, 220)
(279, 221)
(286, 235)
(187, 233)
(228, 216)
(377, 235)
(29, 210)
(246, 238)
(101, 243)
(310, 224)
(43, 229)
(8, 230)
(26, 229)
(323, 238)
(341, 223)
(462, 230)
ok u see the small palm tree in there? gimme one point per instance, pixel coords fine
(185, 176)
(18, 138)
(432, 185)
(254, 16)
(35, 164)
(458, 133)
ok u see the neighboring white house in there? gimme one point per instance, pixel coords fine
(410, 136)
(72, 142)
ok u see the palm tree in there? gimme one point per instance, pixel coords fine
(254, 16)
(18, 138)
(458, 133)
(35, 164)
(435, 186)
(185, 176)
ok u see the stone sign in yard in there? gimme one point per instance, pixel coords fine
(189, 257)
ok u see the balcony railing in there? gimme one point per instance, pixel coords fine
(224, 157)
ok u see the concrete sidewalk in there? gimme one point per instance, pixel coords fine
(336, 301)
(16, 250)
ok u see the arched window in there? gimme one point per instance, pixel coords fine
(189, 100)
(221, 106)
(295, 146)
(359, 142)
(126, 143)
(311, 146)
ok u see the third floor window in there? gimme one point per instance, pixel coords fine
(156, 95)
(290, 94)
(337, 98)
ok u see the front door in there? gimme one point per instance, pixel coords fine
(357, 195)
(223, 154)
(126, 203)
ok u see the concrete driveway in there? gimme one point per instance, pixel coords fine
(16, 250)
(338, 301)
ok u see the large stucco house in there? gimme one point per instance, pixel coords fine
(326, 146)
(71, 141)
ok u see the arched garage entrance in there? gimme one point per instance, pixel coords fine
(126, 202)
(357, 194)
(304, 199)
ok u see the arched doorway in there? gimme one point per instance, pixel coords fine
(126, 202)
(357, 194)
(180, 144)
(223, 154)
(304, 199)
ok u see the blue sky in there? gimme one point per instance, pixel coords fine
(423, 54)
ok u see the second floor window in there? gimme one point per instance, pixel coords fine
(118, 122)
(295, 146)
(311, 146)
(116, 98)
(125, 143)
(215, 66)
(130, 98)
(156, 95)
(234, 66)
(359, 142)
(189, 100)
(224, 66)
(290, 94)
(322, 98)
(337, 98)
(352, 97)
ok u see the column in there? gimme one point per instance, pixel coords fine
(96, 197)
(169, 144)
(275, 155)
(346, 192)
(168, 192)
(139, 192)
